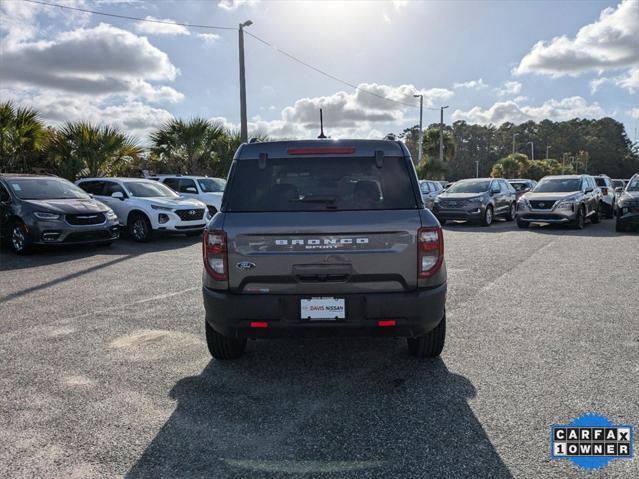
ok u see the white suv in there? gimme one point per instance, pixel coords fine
(145, 206)
(206, 189)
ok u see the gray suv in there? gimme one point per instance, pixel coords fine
(560, 199)
(322, 238)
(477, 200)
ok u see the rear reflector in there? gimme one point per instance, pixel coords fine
(385, 323)
(259, 324)
(322, 150)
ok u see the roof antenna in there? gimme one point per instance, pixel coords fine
(321, 135)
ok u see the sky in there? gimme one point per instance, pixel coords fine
(489, 61)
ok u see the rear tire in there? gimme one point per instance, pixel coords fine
(139, 228)
(431, 344)
(488, 217)
(223, 347)
(511, 212)
(523, 224)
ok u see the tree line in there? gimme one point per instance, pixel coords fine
(203, 147)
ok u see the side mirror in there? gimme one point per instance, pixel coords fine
(118, 195)
(619, 189)
(191, 189)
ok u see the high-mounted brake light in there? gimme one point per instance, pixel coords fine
(322, 150)
(215, 254)
(430, 251)
(386, 323)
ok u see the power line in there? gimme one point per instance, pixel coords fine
(213, 27)
(329, 75)
(126, 17)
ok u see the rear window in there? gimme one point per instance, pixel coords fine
(601, 182)
(320, 184)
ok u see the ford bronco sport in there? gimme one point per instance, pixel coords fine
(323, 238)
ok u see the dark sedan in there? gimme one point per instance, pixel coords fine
(51, 211)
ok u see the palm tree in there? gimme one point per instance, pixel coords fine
(193, 146)
(80, 147)
(431, 166)
(22, 136)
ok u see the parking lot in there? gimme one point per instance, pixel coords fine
(106, 372)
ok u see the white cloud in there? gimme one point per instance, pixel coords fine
(69, 62)
(510, 111)
(472, 84)
(634, 113)
(209, 38)
(230, 5)
(131, 115)
(608, 43)
(355, 114)
(168, 28)
(628, 80)
(509, 88)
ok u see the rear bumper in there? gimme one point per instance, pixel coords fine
(416, 313)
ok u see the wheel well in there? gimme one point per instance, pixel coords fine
(11, 219)
(134, 213)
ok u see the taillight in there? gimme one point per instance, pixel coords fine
(322, 150)
(214, 252)
(430, 251)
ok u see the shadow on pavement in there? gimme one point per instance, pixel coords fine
(329, 408)
(50, 255)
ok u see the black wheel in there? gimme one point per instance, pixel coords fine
(580, 220)
(431, 344)
(222, 347)
(596, 218)
(139, 228)
(523, 224)
(18, 238)
(511, 212)
(488, 217)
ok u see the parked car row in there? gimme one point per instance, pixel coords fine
(47, 210)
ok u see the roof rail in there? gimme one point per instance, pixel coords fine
(254, 140)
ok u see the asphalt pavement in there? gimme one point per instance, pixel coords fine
(105, 371)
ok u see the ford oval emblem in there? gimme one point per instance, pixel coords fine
(245, 265)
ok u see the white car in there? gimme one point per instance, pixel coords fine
(204, 188)
(145, 206)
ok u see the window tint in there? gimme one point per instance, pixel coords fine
(558, 185)
(318, 184)
(172, 183)
(93, 187)
(211, 185)
(496, 187)
(425, 187)
(149, 189)
(186, 183)
(601, 181)
(4, 194)
(469, 186)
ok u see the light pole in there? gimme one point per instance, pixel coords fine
(441, 132)
(547, 148)
(243, 119)
(476, 168)
(421, 131)
(563, 163)
(532, 150)
(514, 136)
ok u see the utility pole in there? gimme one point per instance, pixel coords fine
(514, 136)
(532, 150)
(547, 148)
(243, 119)
(421, 130)
(476, 168)
(563, 164)
(441, 132)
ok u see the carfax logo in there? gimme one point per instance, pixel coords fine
(591, 441)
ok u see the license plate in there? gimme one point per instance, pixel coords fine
(324, 308)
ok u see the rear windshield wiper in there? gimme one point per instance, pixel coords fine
(327, 200)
